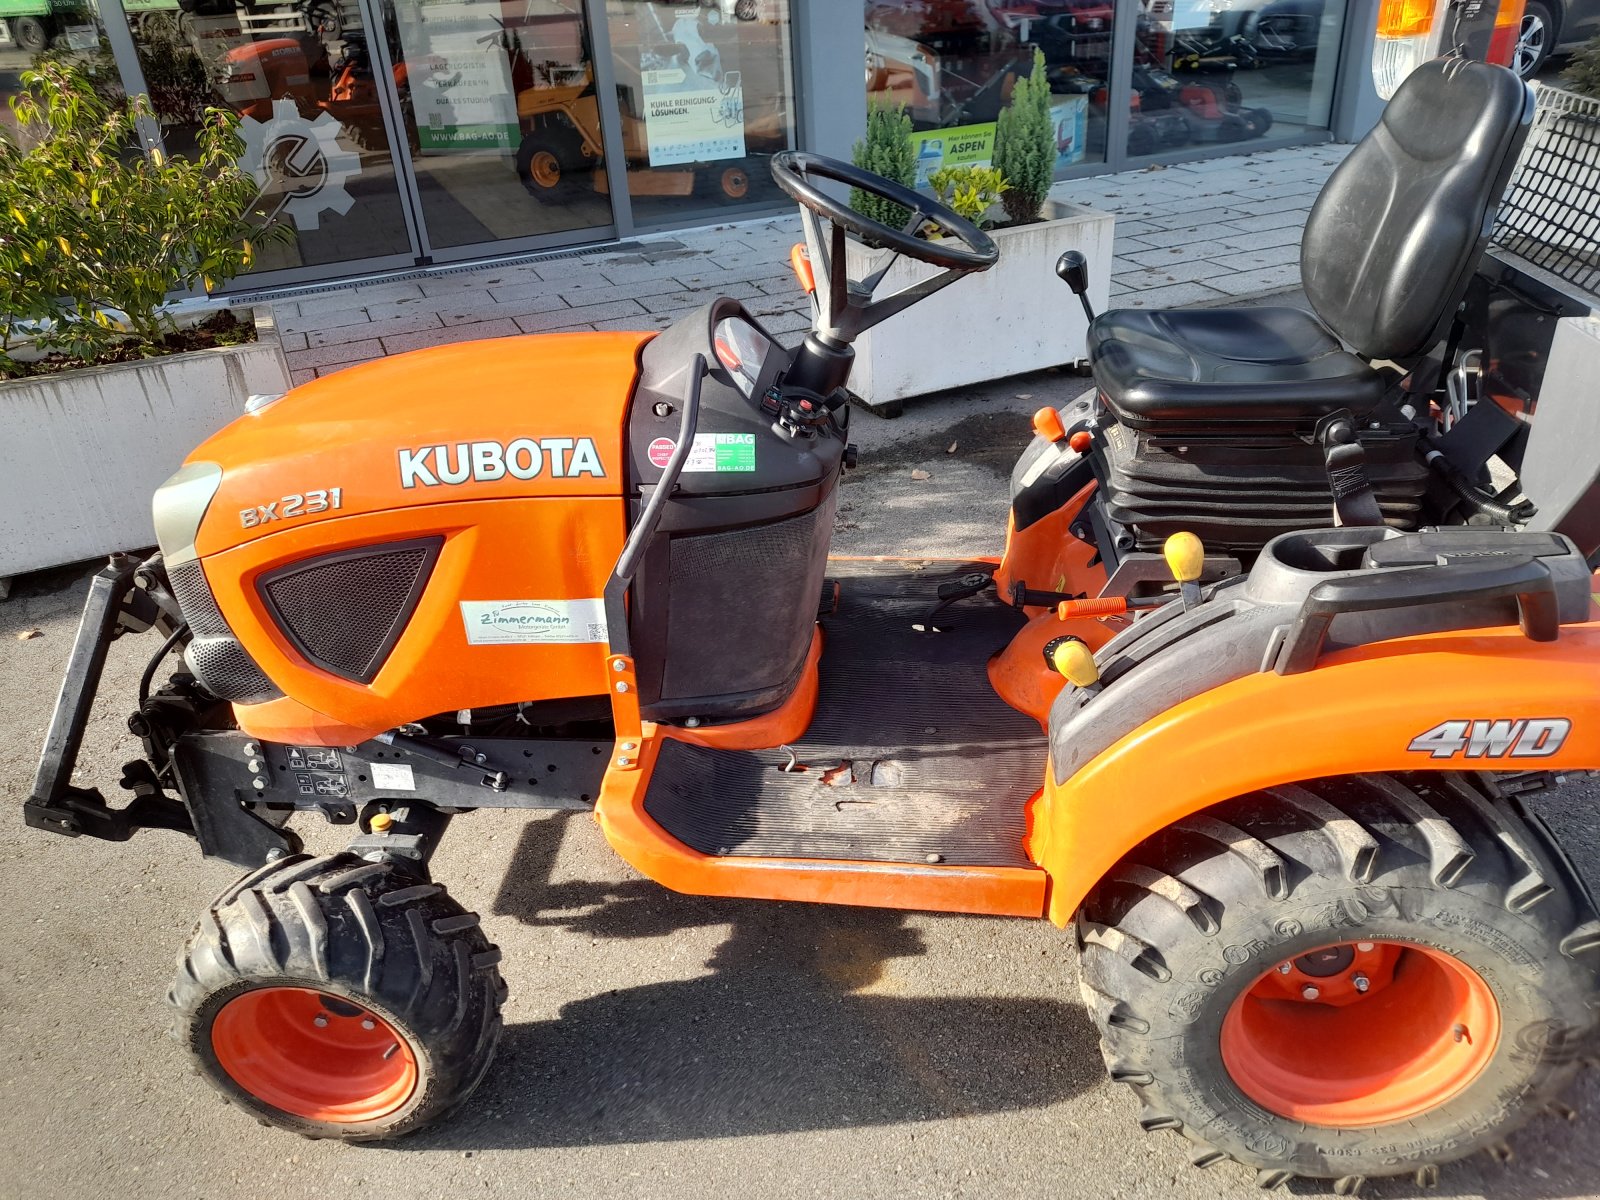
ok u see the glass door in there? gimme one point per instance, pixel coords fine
(502, 120)
(705, 90)
(300, 76)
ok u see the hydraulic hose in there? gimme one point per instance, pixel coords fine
(1471, 494)
(149, 675)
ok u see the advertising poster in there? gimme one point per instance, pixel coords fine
(460, 76)
(963, 146)
(1071, 115)
(693, 96)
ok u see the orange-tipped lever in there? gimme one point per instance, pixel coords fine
(1047, 424)
(800, 261)
(1106, 606)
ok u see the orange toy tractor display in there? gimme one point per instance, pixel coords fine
(561, 152)
(1273, 775)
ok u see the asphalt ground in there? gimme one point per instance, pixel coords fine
(656, 1045)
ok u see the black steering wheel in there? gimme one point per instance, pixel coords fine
(964, 247)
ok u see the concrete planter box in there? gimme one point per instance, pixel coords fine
(1015, 317)
(82, 451)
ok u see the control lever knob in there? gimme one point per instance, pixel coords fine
(1072, 268)
(1186, 559)
(1075, 661)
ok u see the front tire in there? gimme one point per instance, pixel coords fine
(1475, 950)
(547, 164)
(339, 998)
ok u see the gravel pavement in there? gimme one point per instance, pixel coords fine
(656, 1045)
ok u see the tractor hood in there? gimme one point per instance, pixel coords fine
(505, 419)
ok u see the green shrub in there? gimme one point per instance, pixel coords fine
(94, 233)
(971, 191)
(1025, 144)
(1583, 72)
(886, 151)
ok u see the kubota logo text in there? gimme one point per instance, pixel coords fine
(483, 462)
(1526, 737)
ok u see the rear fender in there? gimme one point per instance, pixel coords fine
(1440, 701)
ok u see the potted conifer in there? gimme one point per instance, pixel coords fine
(1015, 317)
(103, 389)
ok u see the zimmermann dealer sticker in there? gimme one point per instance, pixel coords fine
(509, 622)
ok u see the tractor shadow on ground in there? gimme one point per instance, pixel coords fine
(794, 1028)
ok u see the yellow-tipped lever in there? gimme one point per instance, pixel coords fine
(1186, 558)
(1074, 660)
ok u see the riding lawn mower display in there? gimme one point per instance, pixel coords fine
(1252, 704)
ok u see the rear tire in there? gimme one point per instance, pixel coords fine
(1199, 918)
(338, 998)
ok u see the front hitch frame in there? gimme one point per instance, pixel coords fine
(114, 605)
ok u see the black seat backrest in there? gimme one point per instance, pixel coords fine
(1400, 225)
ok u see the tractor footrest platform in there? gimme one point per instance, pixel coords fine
(910, 757)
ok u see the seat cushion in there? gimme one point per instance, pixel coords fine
(1273, 367)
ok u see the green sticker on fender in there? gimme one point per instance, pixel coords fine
(722, 452)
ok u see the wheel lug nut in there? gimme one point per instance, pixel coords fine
(1361, 982)
(1364, 947)
(320, 1020)
(1284, 968)
(369, 1023)
(1310, 992)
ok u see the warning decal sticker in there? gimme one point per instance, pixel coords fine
(722, 452)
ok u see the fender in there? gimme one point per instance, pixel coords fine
(1359, 710)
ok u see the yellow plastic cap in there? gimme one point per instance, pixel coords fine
(1076, 661)
(1185, 556)
(380, 822)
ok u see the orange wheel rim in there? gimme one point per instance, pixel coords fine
(314, 1055)
(545, 169)
(735, 183)
(1361, 1033)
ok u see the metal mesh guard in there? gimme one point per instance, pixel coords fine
(1550, 216)
(345, 611)
(216, 658)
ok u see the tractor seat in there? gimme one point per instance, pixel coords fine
(1388, 250)
(1277, 367)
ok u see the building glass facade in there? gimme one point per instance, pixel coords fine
(400, 133)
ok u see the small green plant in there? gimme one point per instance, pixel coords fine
(1025, 145)
(1583, 72)
(971, 191)
(886, 151)
(94, 232)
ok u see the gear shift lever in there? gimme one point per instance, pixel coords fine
(1073, 270)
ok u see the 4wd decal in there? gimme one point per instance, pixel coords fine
(1521, 737)
(483, 462)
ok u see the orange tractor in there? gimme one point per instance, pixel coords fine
(1272, 778)
(561, 151)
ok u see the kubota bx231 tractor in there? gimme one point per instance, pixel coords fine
(1251, 703)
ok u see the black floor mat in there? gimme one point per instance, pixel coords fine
(911, 757)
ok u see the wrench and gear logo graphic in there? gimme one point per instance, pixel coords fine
(299, 165)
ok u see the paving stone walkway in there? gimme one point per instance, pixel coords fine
(1199, 233)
